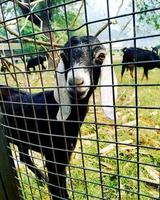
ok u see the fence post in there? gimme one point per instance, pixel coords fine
(8, 184)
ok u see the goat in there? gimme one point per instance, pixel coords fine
(155, 50)
(33, 62)
(49, 121)
(5, 64)
(140, 58)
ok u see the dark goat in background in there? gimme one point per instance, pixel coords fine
(33, 62)
(155, 50)
(36, 115)
(140, 58)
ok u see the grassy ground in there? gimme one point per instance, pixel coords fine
(96, 170)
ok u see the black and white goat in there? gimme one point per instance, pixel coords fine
(33, 62)
(49, 122)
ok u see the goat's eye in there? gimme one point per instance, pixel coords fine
(101, 56)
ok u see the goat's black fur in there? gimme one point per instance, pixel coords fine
(142, 57)
(33, 62)
(35, 117)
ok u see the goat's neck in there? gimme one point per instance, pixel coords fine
(79, 109)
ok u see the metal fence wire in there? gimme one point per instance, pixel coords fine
(78, 126)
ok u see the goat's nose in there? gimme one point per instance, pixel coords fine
(76, 81)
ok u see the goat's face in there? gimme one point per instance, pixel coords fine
(81, 62)
(79, 71)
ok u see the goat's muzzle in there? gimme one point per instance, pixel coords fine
(78, 81)
(76, 88)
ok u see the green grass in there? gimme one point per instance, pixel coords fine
(91, 178)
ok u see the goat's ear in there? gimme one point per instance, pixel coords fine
(61, 94)
(108, 92)
(64, 57)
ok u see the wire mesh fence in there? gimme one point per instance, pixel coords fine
(79, 97)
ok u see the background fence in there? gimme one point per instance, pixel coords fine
(113, 159)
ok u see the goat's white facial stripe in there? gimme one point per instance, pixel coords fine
(61, 94)
(78, 78)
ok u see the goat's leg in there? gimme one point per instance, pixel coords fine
(34, 68)
(123, 70)
(131, 73)
(24, 157)
(145, 74)
(3, 68)
(28, 69)
(57, 180)
(131, 68)
(43, 67)
(142, 77)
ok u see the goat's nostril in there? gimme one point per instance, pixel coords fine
(76, 81)
(79, 81)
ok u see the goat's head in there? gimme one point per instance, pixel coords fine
(80, 69)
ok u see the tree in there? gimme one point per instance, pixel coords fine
(47, 16)
(150, 12)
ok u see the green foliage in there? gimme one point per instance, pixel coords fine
(63, 19)
(2, 31)
(151, 17)
(64, 23)
(28, 31)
